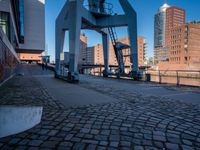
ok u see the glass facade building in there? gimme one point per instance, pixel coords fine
(159, 31)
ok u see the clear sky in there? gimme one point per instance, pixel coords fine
(145, 9)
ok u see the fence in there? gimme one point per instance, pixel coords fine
(178, 77)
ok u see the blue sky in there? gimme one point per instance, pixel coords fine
(145, 9)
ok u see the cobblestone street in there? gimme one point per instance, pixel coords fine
(134, 121)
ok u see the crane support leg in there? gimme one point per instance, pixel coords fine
(74, 41)
(60, 36)
(105, 39)
(132, 30)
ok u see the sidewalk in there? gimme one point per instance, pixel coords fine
(115, 115)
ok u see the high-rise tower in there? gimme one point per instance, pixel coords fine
(159, 30)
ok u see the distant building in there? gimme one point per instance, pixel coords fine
(185, 45)
(23, 21)
(95, 53)
(141, 50)
(159, 31)
(83, 49)
(159, 26)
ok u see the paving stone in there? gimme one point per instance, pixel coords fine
(114, 138)
(85, 130)
(75, 139)
(93, 131)
(24, 142)
(138, 148)
(101, 148)
(187, 142)
(91, 147)
(1, 144)
(14, 141)
(147, 142)
(44, 131)
(21, 148)
(33, 148)
(103, 143)
(69, 136)
(53, 132)
(159, 138)
(79, 146)
(101, 137)
(171, 146)
(185, 147)
(35, 142)
(50, 144)
(90, 141)
(66, 144)
(159, 144)
(88, 136)
(125, 143)
(150, 148)
(148, 136)
(114, 144)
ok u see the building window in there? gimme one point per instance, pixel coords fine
(4, 22)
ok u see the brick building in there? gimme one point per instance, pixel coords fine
(184, 44)
(83, 49)
(174, 17)
(95, 53)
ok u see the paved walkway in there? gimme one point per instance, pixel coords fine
(118, 114)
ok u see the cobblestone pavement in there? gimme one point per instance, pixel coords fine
(136, 122)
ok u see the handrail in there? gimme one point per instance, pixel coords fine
(176, 70)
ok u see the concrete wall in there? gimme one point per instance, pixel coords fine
(34, 21)
(18, 119)
(8, 58)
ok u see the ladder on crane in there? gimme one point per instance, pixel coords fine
(118, 49)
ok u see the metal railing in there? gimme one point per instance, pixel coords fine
(178, 77)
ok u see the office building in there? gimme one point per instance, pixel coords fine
(159, 31)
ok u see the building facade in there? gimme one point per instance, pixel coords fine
(174, 17)
(34, 31)
(185, 46)
(24, 24)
